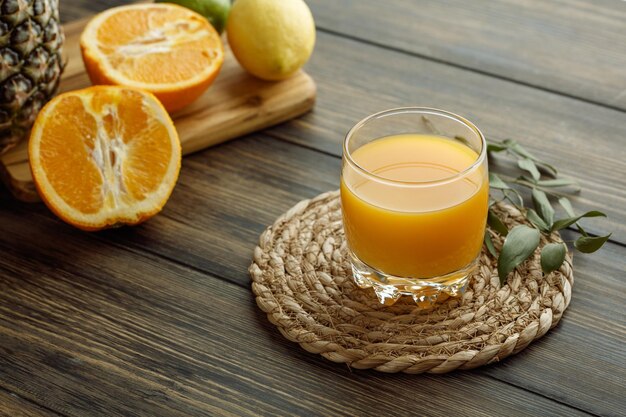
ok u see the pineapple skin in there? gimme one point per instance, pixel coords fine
(31, 63)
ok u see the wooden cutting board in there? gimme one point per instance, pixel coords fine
(236, 104)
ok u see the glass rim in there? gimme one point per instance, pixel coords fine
(401, 110)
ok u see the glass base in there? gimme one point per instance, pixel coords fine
(424, 291)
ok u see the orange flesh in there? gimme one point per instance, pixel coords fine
(158, 45)
(102, 151)
(65, 156)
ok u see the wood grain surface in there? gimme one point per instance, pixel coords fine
(213, 234)
(12, 405)
(159, 319)
(124, 341)
(78, 9)
(573, 47)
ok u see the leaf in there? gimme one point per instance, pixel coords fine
(520, 200)
(520, 150)
(567, 206)
(550, 169)
(520, 243)
(543, 207)
(531, 181)
(496, 182)
(559, 182)
(496, 224)
(496, 147)
(489, 245)
(536, 220)
(589, 244)
(529, 165)
(563, 223)
(552, 257)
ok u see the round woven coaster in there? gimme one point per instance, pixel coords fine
(303, 281)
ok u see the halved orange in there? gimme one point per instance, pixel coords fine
(163, 48)
(104, 156)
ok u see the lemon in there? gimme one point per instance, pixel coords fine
(271, 39)
(215, 11)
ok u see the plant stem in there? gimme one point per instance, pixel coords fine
(530, 185)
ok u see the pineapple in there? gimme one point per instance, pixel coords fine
(30, 64)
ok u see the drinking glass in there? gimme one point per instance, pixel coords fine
(414, 196)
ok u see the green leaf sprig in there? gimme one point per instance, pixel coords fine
(544, 183)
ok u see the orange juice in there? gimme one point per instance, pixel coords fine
(415, 216)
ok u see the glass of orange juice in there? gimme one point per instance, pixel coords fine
(414, 198)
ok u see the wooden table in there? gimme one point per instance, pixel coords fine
(160, 320)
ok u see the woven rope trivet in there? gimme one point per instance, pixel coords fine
(303, 281)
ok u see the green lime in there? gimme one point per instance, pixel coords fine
(215, 11)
